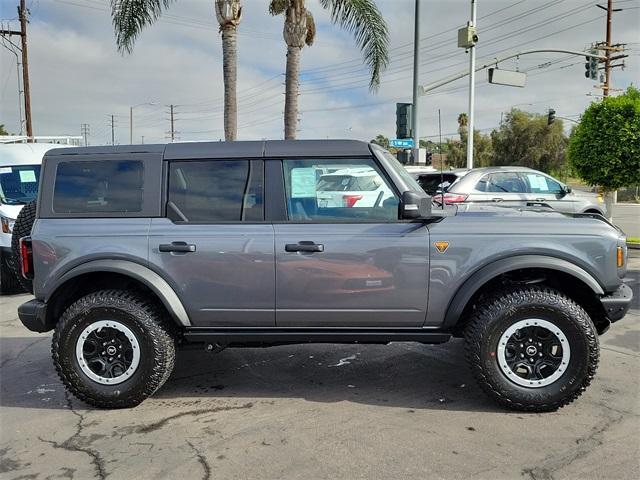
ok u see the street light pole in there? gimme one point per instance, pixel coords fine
(416, 65)
(472, 90)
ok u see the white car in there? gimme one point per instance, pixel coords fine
(350, 187)
(19, 176)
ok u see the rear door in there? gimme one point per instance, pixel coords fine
(355, 265)
(213, 245)
(502, 188)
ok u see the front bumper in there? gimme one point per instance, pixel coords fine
(616, 305)
(33, 315)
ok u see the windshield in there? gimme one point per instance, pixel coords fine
(19, 184)
(400, 170)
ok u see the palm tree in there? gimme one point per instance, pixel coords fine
(129, 17)
(360, 17)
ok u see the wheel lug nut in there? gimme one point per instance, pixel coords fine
(540, 354)
(539, 344)
(521, 345)
(530, 340)
(531, 360)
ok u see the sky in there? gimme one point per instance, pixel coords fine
(78, 76)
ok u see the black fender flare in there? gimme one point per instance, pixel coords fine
(470, 286)
(144, 275)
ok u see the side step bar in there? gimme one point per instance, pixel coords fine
(229, 336)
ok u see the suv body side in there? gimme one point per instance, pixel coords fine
(383, 273)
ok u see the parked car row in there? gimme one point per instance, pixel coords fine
(506, 186)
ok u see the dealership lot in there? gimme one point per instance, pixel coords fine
(318, 411)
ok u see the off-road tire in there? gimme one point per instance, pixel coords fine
(22, 228)
(503, 309)
(148, 323)
(8, 279)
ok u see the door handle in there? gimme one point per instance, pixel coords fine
(540, 199)
(304, 247)
(497, 199)
(177, 247)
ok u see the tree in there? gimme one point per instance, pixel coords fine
(2, 130)
(360, 17)
(526, 140)
(457, 149)
(604, 149)
(129, 17)
(381, 140)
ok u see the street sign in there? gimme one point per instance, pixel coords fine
(510, 78)
(401, 142)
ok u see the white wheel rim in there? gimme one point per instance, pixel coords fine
(85, 363)
(530, 353)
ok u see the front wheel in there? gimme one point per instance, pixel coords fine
(113, 349)
(532, 348)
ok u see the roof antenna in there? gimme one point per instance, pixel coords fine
(441, 162)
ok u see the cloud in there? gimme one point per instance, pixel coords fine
(77, 75)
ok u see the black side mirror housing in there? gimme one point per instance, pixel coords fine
(415, 206)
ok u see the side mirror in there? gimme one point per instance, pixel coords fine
(415, 205)
(566, 189)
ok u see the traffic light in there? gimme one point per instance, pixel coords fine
(591, 66)
(551, 116)
(403, 120)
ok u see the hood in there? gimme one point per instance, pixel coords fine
(10, 211)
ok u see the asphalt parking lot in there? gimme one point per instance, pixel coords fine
(320, 411)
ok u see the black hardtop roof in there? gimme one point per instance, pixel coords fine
(244, 149)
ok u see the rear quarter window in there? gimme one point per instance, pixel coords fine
(100, 187)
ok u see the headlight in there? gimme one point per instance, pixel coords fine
(7, 224)
(600, 198)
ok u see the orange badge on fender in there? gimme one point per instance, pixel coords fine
(441, 246)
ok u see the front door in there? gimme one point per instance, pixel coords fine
(214, 247)
(544, 190)
(343, 259)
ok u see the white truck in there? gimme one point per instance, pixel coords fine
(19, 176)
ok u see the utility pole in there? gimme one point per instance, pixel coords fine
(172, 132)
(22, 17)
(84, 131)
(608, 48)
(472, 89)
(113, 126)
(416, 65)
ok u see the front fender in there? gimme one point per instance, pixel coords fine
(136, 271)
(494, 269)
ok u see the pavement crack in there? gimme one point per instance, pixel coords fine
(21, 352)
(584, 446)
(73, 443)
(190, 413)
(202, 460)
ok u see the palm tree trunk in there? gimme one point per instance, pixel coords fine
(292, 87)
(230, 75)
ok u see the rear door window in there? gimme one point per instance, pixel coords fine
(211, 191)
(19, 184)
(101, 187)
(501, 182)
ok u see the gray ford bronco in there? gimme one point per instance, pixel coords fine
(135, 251)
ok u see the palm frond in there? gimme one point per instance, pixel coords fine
(278, 7)
(311, 30)
(363, 19)
(129, 17)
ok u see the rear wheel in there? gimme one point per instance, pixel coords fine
(113, 349)
(532, 348)
(22, 228)
(8, 280)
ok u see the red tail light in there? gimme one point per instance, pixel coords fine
(350, 200)
(26, 261)
(450, 198)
